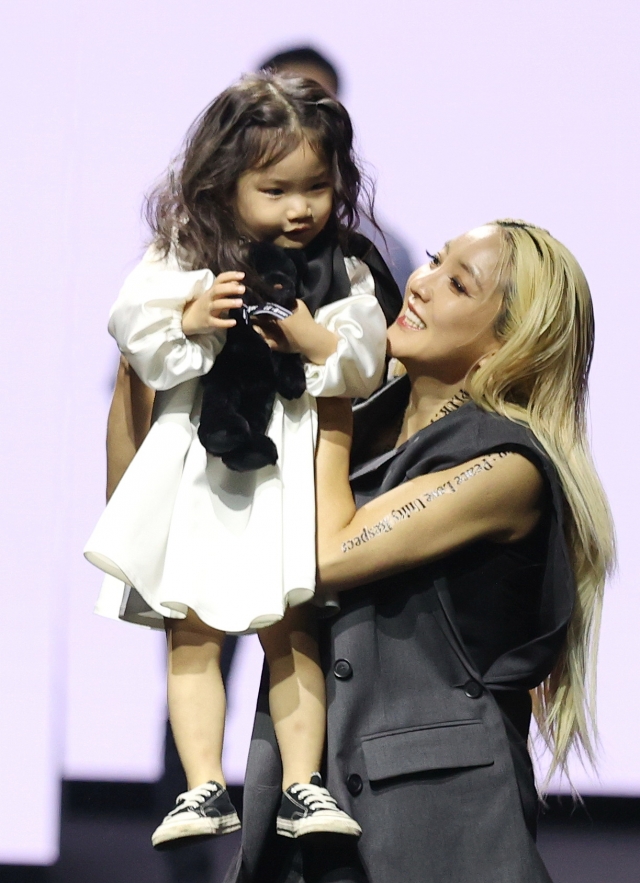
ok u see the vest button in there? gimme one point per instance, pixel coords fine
(342, 669)
(473, 690)
(354, 784)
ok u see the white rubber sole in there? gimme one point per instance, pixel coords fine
(204, 827)
(341, 824)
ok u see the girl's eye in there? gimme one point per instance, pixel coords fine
(321, 185)
(459, 287)
(434, 259)
(273, 191)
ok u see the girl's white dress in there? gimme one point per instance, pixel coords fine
(183, 531)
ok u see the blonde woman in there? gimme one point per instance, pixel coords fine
(469, 545)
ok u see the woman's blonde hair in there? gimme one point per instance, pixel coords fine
(539, 377)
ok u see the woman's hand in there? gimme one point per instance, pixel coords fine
(206, 313)
(300, 333)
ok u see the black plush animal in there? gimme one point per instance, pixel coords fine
(240, 389)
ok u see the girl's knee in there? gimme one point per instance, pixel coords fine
(294, 637)
(191, 629)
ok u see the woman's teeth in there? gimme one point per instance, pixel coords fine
(412, 320)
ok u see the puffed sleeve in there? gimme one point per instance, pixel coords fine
(146, 321)
(357, 366)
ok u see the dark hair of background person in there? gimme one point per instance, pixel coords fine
(256, 122)
(306, 62)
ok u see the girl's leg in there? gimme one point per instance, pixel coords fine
(296, 693)
(196, 696)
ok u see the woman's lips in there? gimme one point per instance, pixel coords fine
(410, 320)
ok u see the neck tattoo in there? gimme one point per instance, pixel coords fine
(455, 402)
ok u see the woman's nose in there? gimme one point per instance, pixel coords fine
(419, 283)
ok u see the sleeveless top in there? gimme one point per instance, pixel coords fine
(512, 602)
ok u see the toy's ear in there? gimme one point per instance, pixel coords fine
(276, 269)
(268, 258)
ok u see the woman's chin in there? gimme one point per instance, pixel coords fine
(401, 342)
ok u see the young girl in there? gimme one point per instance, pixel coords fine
(187, 542)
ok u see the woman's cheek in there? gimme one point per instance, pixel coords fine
(394, 341)
(390, 337)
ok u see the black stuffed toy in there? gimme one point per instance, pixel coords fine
(240, 389)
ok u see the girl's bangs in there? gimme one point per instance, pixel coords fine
(267, 146)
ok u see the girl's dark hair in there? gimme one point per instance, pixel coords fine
(253, 124)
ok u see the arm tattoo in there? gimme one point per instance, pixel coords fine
(388, 522)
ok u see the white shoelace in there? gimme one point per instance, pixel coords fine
(192, 799)
(314, 797)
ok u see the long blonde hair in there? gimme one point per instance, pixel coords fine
(539, 377)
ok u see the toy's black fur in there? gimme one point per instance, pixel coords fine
(240, 389)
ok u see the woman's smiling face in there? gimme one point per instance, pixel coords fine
(450, 308)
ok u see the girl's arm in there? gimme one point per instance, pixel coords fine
(344, 345)
(300, 333)
(146, 322)
(494, 497)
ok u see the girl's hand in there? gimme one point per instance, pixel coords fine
(205, 313)
(300, 333)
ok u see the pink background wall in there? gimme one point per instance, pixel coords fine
(466, 111)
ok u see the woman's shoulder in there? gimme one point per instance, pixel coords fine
(472, 430)
(458, 437)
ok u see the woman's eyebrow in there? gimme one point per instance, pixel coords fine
(475, 275)
(472, 272)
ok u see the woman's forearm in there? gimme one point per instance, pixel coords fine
(128, 422)
(495, 497)
(334, 499)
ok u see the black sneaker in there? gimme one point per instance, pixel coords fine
(310, 809)
(202, 812)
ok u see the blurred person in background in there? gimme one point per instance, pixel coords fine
(305, 61)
